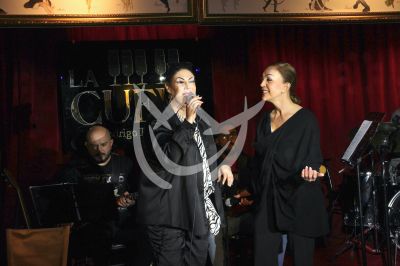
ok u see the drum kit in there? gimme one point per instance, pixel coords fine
(378, 184)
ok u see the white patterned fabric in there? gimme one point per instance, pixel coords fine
(214, 221)
(213, 218)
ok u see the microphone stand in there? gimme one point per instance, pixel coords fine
(353, 242)
(354, 155)
(383, 152)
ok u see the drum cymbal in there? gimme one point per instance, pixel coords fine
(385, 137)
(387, 127)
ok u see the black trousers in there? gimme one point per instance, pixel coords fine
(176, 247)
(267, 239)
(267, 247)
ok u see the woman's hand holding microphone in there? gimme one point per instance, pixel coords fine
(193, 102)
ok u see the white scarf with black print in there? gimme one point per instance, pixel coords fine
(213, 218)
(214, 221)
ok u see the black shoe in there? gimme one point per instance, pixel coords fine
(355, 5)
(2, 11)
(366, 9)
(31, 3)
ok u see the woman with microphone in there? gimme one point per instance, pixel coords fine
(182, 221)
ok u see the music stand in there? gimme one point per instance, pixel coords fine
(96, 202)
(72, 203)
(354, 155)
(55, 204)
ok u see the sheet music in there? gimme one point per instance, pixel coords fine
(356, 140)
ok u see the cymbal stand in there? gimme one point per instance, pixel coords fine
(353, 241)
(386, 213)
(363, 248)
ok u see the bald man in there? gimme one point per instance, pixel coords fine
(100, 165)
(98, 172)
(99, 144)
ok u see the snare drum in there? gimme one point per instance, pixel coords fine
(351, 216)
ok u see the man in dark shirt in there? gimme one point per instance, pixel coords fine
(101, 166)
(104, 181)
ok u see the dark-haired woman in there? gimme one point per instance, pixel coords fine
(182, 221)
(287, 189)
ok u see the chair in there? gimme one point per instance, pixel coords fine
(44, 247)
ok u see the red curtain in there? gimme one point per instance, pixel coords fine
(344, 72)
(136, 33)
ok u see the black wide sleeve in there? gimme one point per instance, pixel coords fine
(297, 147)
(175, 143)
(314, 158)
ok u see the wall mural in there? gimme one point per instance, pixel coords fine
(299, 6)
(94, 7)
(86, 12)
(297, 11)
(82, 12)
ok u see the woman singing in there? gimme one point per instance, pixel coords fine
(182, 221)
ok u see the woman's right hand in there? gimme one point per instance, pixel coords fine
(192, 107)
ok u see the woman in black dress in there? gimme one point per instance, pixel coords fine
(183, 220)
(288, 193)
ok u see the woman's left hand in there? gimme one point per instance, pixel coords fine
(225, 175)
(310, 175)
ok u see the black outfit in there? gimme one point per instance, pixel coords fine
(285, 202)
(102, 224)
(239, 227)
(85, 170)
(178, 213)
(242, 171)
